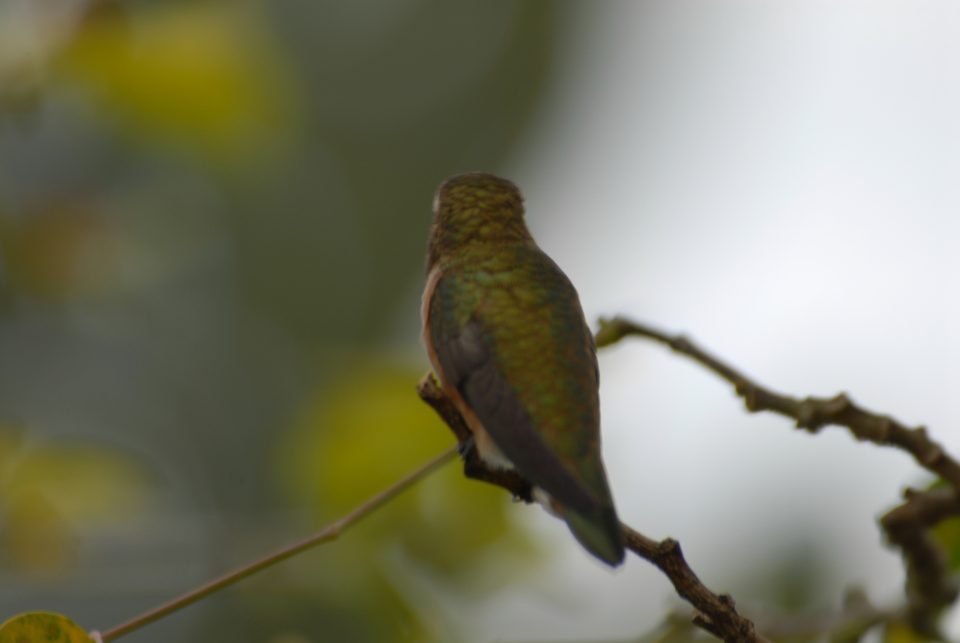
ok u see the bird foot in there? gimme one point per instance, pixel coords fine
(465, 447)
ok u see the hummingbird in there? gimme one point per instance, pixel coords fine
(507, 339)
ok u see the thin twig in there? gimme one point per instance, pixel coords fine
(929, 587)
(716, 614)
(328, 533)
(811, 413)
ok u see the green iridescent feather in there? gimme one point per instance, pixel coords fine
(507, 329)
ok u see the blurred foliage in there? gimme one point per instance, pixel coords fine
(68, 250)
(358, 435)
(946, 533)
(675, 628)
(42, 627)
(365, 431)
(794, 581)
(203, 75)
(203, 205)
(53, 493)
(901, 633)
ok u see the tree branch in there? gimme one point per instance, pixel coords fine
(811, 413)
(328, 533)
(929, 588)
(716, 614)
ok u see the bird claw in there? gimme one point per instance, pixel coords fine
(465, 447)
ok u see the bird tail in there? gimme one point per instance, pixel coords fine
(599, 532)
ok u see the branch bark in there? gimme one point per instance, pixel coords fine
(811, 413)
(716, 614)
(929, 587)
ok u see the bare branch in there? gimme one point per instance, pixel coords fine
(929, 588)
(716, 614)
(811, 413)
(327, 534)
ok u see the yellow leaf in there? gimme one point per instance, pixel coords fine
(947, 534)
(201, 74)
(60, 251)
(362, 434)
(901, 633)
(35, 537)
(42, 627)
(53, 493)
(85, 483)
(10, 439)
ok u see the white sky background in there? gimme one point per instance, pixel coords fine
(780, 181)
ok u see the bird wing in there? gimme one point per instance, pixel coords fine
(465, 352)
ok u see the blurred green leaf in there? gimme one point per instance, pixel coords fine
(898, 632)
(11, 439)
(203, 74)
(52, 491)
(86, 483)
(42, 627)
(947, 535)
(947, 532)
(65, 250)
(35, 537)
(356, 436)
(365, 432)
